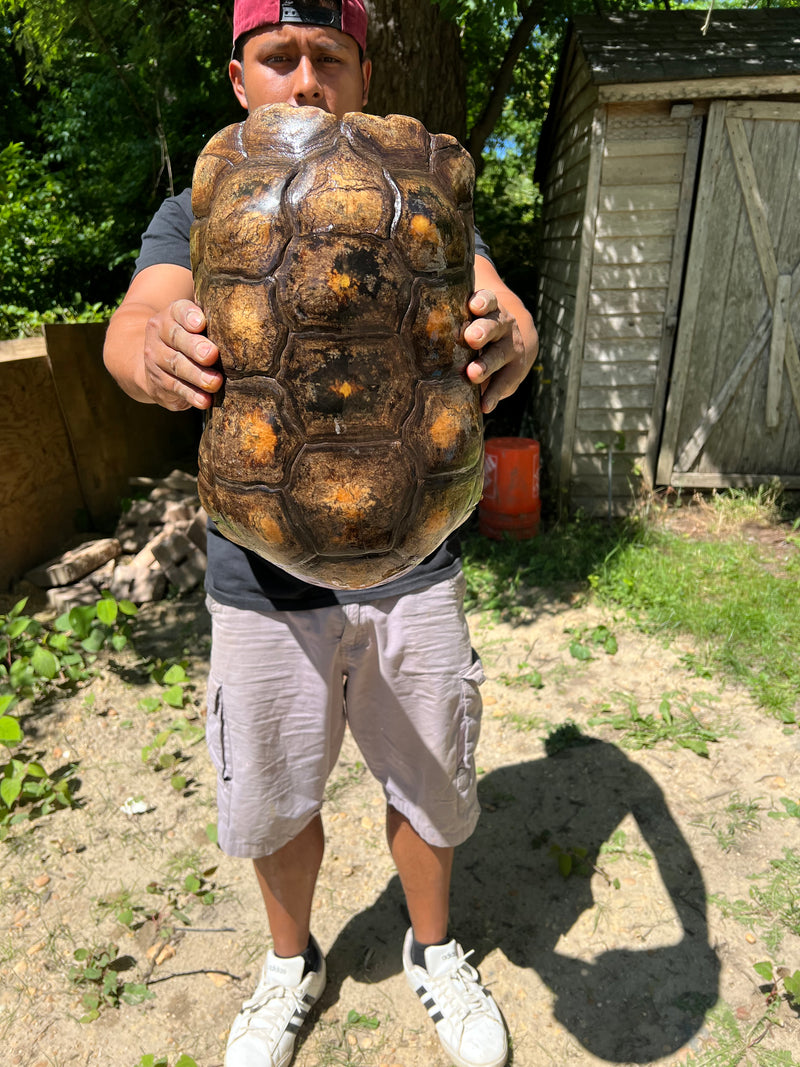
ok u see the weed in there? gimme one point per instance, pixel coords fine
(172, 676)
(526, 679)
(161, 758)
(739, 817)
(150, 1060)
(37, 661)
(99, 972)
(353, 774)
(525, 723)
(733, 1046)
(676, 722)
(780, 982)
(792, 810)
(586, 638)
(615, 849)
(773, 907)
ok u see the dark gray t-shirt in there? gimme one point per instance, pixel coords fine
(236, 576)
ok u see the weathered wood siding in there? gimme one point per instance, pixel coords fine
(644, 201)
(564, 202)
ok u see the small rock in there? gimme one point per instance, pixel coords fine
(41, 881)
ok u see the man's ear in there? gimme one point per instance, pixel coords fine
(236, 75)
(366, 75)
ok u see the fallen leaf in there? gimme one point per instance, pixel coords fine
(166, 953)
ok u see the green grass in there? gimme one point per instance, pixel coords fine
(737, 601)
(743, 616)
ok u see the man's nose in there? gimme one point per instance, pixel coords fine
(306, 88)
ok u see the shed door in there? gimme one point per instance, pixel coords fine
(733, 406)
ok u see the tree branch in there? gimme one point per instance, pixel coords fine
(480, 132)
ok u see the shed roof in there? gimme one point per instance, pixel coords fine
(650, 46)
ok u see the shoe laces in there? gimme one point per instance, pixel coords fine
(285, 1002)
(458, 990)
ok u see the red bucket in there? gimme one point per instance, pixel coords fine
(510, 503)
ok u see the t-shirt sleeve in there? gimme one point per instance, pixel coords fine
(166, 239)
(481, 247)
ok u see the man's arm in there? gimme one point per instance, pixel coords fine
(155, 347)
(503, 332)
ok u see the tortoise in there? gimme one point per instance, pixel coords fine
(334, 260)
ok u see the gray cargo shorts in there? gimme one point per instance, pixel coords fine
(400, 671)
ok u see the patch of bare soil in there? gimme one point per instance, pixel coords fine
(612, 961)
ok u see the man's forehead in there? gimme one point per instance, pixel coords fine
(284, 34)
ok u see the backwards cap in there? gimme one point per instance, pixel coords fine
(252, 14)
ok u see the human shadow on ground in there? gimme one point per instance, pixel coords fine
(623, 1005)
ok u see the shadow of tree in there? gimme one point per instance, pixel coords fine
(624, 1005)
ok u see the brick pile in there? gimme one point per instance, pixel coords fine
(159, 543)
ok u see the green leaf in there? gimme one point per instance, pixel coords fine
(16, 627)
(127, 607)
(792, 986)
(191, 883)
(765, 970)
(610, 645)
(174, 696)
(694, 744)
(565, 864)
(80, 620)
(10, 789)
(81, 953)
(150, 704)
(579, 651)
(95, 641)
(178, 781)
(174, 675)
(10, 730)
(7, 702)
(18, 608)
(185, 1061)
(44, 662)
(107, 611)
(118, 642)
(211, 832)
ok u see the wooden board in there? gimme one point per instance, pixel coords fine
(733, 409)
(113, 437)
(40, 496)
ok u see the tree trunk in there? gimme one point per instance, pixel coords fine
(418, 68)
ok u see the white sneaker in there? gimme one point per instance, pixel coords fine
(468, 1022)
(264, 1031)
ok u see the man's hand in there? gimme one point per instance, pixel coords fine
(155, 346)
(504, 334)
(179, 360)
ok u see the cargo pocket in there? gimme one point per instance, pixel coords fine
(216, 734)
(469, 726)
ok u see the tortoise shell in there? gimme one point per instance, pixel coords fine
(334, 261)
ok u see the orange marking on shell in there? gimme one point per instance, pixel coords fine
(340, 284)
(422, 227)
(440, 323)
(345, 389)
(444, 429)
(257, 436)
(270, 530)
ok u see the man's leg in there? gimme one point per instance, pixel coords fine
(287, 879)
(425, 872)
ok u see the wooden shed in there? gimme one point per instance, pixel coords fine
(668, 308)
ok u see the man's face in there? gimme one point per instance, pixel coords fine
(308, 66)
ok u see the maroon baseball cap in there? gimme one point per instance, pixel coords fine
(252, 14)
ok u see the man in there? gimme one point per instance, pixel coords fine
(286, 654)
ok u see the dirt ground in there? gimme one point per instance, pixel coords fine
(617, 963)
